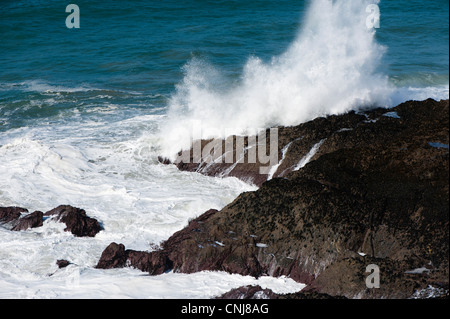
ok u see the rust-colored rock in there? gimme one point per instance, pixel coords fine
(375, 191)
(11, 213)
(35, 219)
(62, 263)
(76, 220)
(113, 256)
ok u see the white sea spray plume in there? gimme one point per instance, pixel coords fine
(330, 68)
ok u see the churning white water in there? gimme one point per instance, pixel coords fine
(117, 180)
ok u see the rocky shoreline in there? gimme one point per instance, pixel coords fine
(348, 191)
(372, 189)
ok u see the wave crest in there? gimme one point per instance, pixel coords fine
(330, 68)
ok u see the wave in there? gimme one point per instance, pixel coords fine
(330, 68)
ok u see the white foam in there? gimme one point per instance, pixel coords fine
(274, 168)
(305, 159)
(392, 115)
(78, 282)
(111, 171)
(403, 94)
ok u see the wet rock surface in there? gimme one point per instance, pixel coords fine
(11, 213)
(374, 191)
(76, 220)
(35, 219)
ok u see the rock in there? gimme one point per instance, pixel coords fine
(76, 220)
(62, 263)
(113, 256)
(376, 191)
(256, 292)
(155, 263)
(375, 187)
(294, 142)
(347, 277)
(327, 133)
(32, 220)
(12, 213)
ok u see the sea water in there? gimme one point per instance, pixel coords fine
(85, 112)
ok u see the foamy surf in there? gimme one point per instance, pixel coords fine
(85, 283)
(118, 181)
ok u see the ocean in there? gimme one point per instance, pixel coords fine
(85, 112)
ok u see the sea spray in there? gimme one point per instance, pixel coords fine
(330, 68)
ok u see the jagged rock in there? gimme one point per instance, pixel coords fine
(375, 191)
(377, 186)
(115, 256)
(155, 263)
(12, 213)
(76, 220)
(32, 220)
(62, 263)
(330, 133)
(256, 292)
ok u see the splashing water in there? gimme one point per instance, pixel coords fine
(330, 68)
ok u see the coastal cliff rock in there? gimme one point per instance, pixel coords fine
(349, 190)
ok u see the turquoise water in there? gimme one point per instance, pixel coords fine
(133, 52)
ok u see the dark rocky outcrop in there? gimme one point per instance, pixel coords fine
(376, 191)
(62, 263)
(15, 219)
(116, 256)
(328, 134)
(256, 292)
(32, 220)
(112, 257)
(76, 220)
(11, 213)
